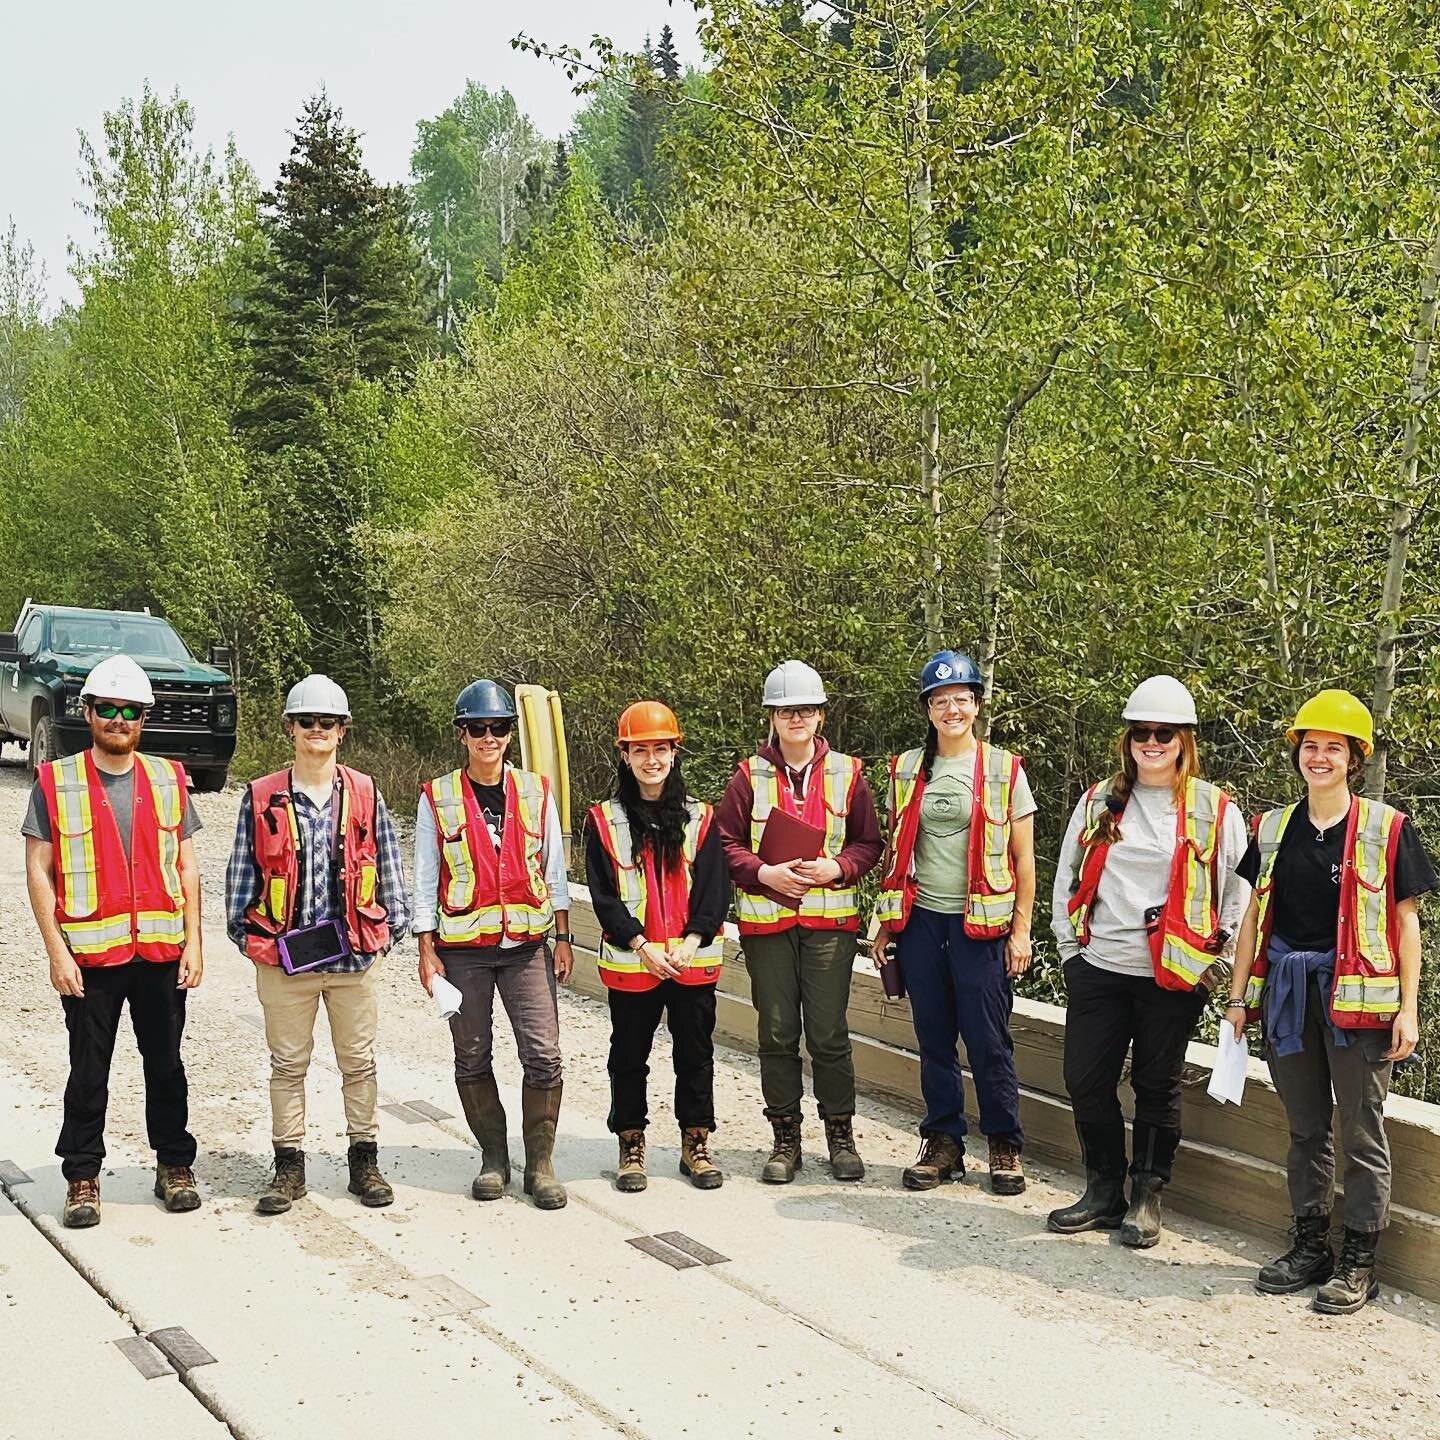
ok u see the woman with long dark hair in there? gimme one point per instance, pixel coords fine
(1146, 905)
(660, 890)
(957, 892)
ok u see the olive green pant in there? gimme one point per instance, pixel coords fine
(800, 981)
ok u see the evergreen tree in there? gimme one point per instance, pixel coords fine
(667, 61)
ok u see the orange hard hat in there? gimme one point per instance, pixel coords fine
(647, 720)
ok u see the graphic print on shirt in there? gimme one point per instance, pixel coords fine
(946, 805)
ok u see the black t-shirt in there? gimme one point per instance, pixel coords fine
(1306, 894)
(491, 800)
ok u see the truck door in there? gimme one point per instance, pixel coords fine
(14, 695)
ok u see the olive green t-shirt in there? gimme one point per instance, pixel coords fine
(942, 842)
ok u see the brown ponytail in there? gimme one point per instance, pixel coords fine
(1119, 786)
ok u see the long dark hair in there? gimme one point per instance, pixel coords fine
(654, 823)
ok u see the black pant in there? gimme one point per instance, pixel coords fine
(1106, 1015)
(157, 1013)
(689, 1011)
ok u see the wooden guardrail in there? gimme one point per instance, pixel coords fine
(1231, 1166)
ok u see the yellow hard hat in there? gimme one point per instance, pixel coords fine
(1337, 711)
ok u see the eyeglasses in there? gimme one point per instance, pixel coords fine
(954, 702)
(477, 728)
(317, 722)
(1163, 734)
(798, 712)
(108, 710)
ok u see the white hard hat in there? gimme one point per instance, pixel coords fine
(118, 677)
(1161, 700)
(792, 682)
(317, 695)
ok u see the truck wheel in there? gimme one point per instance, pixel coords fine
(42, 743)
(208, 782)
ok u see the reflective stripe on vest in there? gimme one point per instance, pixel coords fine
(830, 907)
(75, 843)
(890, 907)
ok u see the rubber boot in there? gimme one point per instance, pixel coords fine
(940, 1157)
(1309, 1261)
(630, 1175)
(1353, 1284)
(287, 1184)
(1102, 1206)
(539, 1110)
(485, 1115)
(695, 1159)
(175, 1186)
(785, 1159)
(1155, 1147)
(366, 1181)
(845, 1161)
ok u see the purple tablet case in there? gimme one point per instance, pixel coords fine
(312, 947)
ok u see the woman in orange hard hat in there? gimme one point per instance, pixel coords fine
(1329, 961)
(660, 889)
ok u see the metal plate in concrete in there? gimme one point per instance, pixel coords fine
(180, 1348)
(675, 1259)
(443, 1296)
(703, 1253)
(12, 1174)
(405, 1113)
(429, 1111)
(144, 1357)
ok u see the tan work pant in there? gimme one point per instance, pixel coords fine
(290, 1003)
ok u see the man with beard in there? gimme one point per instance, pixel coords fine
(115, 888)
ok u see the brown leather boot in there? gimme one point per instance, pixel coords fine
(785, 1159)
(695, 1159)
(287, 1185)
(539, 1110)
(630, 1176)
(845, 1161)
(175, 1185)
(82, 1205)
(1007, 1175)
(366, 1181)
(940, 1157)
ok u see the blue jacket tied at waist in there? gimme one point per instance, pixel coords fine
(1287, 988)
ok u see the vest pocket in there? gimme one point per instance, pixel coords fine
(76, 859)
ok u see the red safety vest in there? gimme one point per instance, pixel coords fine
(111, 906)
(660, 904)
(990, 906)
(275, 840)
(486, 895)
(829, 789)
(1186, 938)
(1366, 993)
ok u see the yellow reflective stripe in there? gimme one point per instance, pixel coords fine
(75, 844)
(93, 937)
(990, 909)
(529, 802)
(447, 797)
(627, 962)
(1202, 831)
(1372, 869)
(836, 780)
(630, 882)
(169, 811)
(1253, 988)
(758, 909)
(823, 901)
(160, 925)
(1367, 994)
(1267, 841)
(888, 906)
(995, 834)
(765, 788)
(1185, 959)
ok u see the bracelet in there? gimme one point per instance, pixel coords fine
(563, 937)
(1231, 1004)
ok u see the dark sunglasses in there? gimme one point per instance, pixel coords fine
(1142, 734)
(476, 728)
(317, 722)
(108, 710)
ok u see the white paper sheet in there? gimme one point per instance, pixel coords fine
(445, 996)
(1227, 1080)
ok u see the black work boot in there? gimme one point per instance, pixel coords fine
(630, 1174)
(1102, 1206)
(175, 1186)
(286, 1185)
(845, 1161)
(695, 1159)
(539, 1110)
(366, 1181)
(785, 1159)
(1141, 1227)
(1353, 1283)
(940, 1157)
(1309, 1261)
(480, 1099)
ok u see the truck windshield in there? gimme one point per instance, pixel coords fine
(144, 637)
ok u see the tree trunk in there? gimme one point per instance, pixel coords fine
(1403, 513)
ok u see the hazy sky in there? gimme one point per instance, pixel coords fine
(246, 69)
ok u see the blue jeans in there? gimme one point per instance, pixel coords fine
(959, 990)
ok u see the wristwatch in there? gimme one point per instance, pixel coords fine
(563, 935)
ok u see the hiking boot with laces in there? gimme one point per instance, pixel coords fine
(82, 1205)
(845, 1161)
(175, 1185)
(1353, 1284)
(695, 1159)
(940, 1158)
(286, 1185)
(1007, 1175)
(1309, 1261)
(366, 1181)
(631, 1174)
(785, 1159)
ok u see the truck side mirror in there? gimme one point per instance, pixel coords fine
(9, 647)
(222, 657)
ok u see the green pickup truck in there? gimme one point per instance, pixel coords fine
(44, 662)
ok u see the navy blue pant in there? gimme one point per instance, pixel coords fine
(959, 991)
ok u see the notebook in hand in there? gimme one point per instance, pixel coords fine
(786, 837)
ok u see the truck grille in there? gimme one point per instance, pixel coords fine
(173, 710)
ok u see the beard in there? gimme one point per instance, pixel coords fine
(115, 742)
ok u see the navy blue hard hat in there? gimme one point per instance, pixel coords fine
(483, 700)
(949, 667)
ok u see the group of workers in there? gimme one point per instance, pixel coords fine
(1161, 896)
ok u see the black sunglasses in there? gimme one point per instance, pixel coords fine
(476, 728)
(108, 710)
(317, 722)
(1142, 734)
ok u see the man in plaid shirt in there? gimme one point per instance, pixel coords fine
(315, 843)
